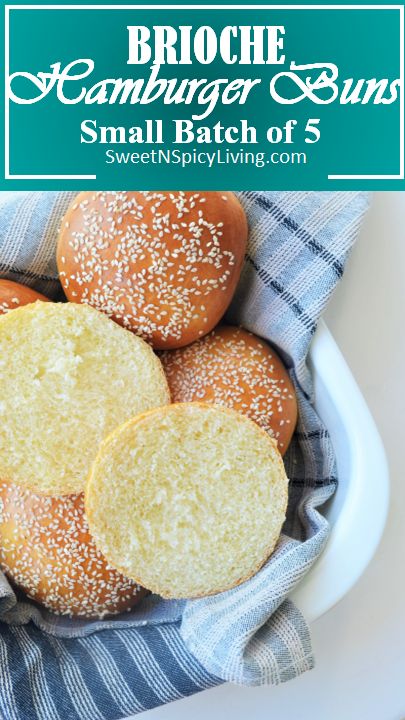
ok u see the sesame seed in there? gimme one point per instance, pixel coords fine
(233, 368)
(50, 555)
(163, 241)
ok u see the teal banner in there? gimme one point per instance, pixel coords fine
(203, 96)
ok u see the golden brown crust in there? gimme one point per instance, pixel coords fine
(162, 591)
(46, 549)
(234, 368)
(14, 295)
(164, 265)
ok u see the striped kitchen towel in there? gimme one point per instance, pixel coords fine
(55, 668)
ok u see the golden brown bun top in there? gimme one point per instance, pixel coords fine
(163, 264)
(233, 367)
(13, 295)
(47, 550)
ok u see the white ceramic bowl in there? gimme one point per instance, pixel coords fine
(358, 510)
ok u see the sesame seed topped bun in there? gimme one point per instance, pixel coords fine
(13, 295)
(233, 367)
(162, 264)
(47, 551)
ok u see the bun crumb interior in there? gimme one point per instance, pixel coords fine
(187, 500)
(68, 377)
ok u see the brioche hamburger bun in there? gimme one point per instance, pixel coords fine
(233, 367)
(68, 377)
(187, 500)
(162, 264)
(13, 295)
(47, 551)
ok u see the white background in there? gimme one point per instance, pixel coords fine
(360, 644)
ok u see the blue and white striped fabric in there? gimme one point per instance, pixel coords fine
(59, 669)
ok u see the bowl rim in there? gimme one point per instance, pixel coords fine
(357, 530)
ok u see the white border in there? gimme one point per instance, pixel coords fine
(7, 8)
